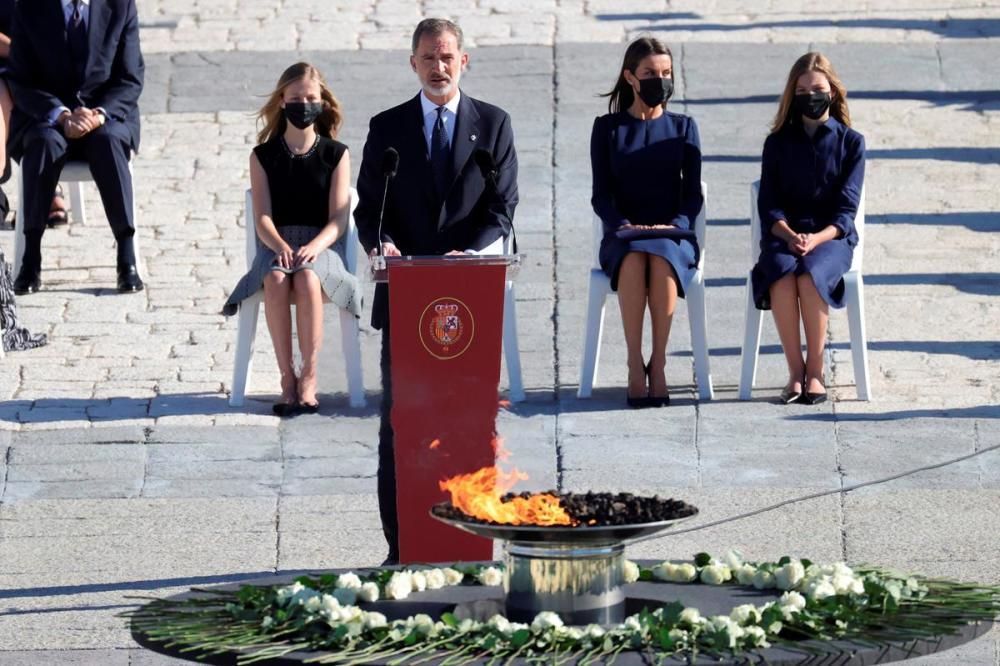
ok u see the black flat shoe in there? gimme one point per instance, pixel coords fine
(814, 398)
(28, 281)
(659, 400)
(284, 409)
(790, 395)
(128, 279)
(309, 408)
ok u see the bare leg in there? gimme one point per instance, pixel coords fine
(662, 303)
(309, 323)
(6, 105)
(632, 301)
(785, 306)
(815, 317)
(277, 310)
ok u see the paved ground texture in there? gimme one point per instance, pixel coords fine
(124, 472)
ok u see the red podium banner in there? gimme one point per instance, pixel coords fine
(446, 336)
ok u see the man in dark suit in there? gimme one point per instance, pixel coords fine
(76, 73)
(439, 202)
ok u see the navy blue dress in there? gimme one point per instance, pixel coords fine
(811, 183)
(646, 172)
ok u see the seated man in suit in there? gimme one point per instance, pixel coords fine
(76, 73)
(439, 202)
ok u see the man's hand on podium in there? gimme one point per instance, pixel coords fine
(388, 250)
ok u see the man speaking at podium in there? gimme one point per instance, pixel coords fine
(445, 167)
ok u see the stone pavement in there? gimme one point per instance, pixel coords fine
(126, 473)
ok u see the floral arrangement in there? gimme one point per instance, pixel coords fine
(326, 615)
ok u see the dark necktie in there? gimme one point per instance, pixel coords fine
(440, 156)
(76, 36)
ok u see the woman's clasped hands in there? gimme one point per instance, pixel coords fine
(286, 257)
(803, 244)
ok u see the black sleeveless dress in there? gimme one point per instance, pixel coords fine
(300, 201)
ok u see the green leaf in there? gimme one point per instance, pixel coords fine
(806, 563)
(784, 560)
(672, 613)
(520, 637)
(646, 574)
(449, 619)
(702, 559)
(327, 581)
(307, 581)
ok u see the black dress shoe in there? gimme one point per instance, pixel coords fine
(129, 280)
(308, 407)
(28, 281)
(790, 395)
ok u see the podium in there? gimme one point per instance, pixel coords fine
(445, 345)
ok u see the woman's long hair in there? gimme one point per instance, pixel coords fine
(272, 117)
(812, 62)
(621, 96)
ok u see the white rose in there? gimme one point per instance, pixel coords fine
(675, 573)
(545, 620)
(716, 574)
(423, 623)
(435, 579)
(595, 631)
(490, 577)
(467, 625)
(821, 590)
(453, 576)
(330, 604)
(313, 604)
(763, 580)
(631, 571)
(266, 622)
(756, 636)
(632, 624)
(418, 580)
(792, 601)
(745, 614)
(375, 620)
(679, 635)
(733, 559)
(349, 581)
(399, 586)
(691, 616)
(789, 575)
(722, 623)
(500, 624)
(745, 573)
(285, 593)
(368, 592)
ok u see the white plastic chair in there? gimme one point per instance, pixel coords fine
(350, 332)
(511, 351)
(854, 297)
(74, 174)
(600, 289)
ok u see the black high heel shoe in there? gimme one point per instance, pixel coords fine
(656, 400)
(814, 398)
(640, 401)
(790, 395)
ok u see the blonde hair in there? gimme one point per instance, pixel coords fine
(812, 62)
(272, 117)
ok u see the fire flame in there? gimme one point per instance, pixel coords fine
(478, 494)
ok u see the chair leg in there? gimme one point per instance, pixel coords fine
(350, 344)
(698, 319)
(854, 284)
(511, 351)
(76, 203)
(751, 345)
(598, 293)
(19, 237)
(245, 335)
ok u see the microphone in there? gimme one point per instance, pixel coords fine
(390, 165)
(488, 166)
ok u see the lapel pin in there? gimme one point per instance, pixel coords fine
(472, 137)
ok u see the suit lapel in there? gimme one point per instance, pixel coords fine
(464, 139)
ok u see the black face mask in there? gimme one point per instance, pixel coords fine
(303, 114)
(655, 91)
(812, 105)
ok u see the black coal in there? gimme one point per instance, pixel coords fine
(597, 509)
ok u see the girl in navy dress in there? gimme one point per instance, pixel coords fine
(646, 164)
(812, 172)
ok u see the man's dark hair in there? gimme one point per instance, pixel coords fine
(434, 27)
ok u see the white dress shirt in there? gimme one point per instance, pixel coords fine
(84, 11)
(449, 116)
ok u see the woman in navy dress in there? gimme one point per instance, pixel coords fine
(646, 164)
(812, 172)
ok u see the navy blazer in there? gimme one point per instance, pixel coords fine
(472, 215)
(42, 76)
